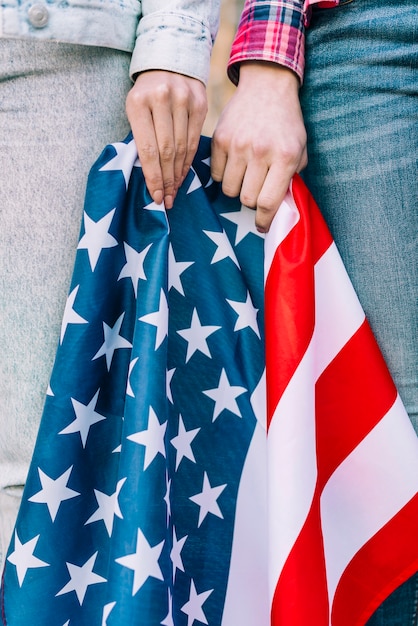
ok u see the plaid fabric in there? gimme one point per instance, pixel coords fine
(273, 30)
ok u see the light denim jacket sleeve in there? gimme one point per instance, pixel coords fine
(176, 35)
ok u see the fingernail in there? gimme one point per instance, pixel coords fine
(168, 201)
(158, 197)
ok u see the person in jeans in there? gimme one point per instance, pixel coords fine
(66, 70)
(331, 89)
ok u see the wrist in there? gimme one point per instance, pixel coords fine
(267, 73)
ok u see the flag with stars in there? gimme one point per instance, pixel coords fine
(167, 488)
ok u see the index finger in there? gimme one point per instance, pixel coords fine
(271, 196)
(147, 147)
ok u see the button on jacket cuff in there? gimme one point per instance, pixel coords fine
(111, 24)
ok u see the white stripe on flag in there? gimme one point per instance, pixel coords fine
(338, 312)
(292, 469)
(371, 485)
(291, 438)
(286, 218)
(247, 601)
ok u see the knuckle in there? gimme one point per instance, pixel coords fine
(168, 183)
(153, 181)
(193, 146)
(248, 200)
(201, 106)
(162, 93)
(240, 144)
(148, 152)
(260, 149)
(289, 154)
(181, 149)
(266, 204)
(292, 152)
(166, 152)
(134, 101)
(229, 190)
(134, 95)
(220, 139)
(181, 97)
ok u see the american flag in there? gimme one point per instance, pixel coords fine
(164, 490)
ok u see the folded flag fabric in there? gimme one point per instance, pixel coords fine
(221, 443)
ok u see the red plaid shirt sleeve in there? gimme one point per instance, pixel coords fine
(272, 30)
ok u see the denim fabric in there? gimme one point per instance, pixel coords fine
(59, 105)
(401, 607)
(175, 35)
(361, 112)
(111, 23)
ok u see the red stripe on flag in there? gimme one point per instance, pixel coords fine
(289, 316)
(289, 295)
(320, 237)
(301, 596)
(352, 395)
(383, 563)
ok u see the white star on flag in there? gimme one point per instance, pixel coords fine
(245, 222)
(129, 390)
(125, 159)
(168, 620)
(153, 206)
(107, 609)
(70, 316)
(247, 315)
(134, 266)
(81, 578)
(175, 270)
(143, 562)
(207, 500)
(193, 608)
(97, 237)
(152, 438)
(159, 319)
(167, 497)
(225, 396)
(224, 250)
(54, 492)
(210, 181)
(175, 554)
(182, 443)
(108, 507)
(23, 558)
(112, 341)
(170, 374)
(196, 336)
(195, 184)
(86, 416)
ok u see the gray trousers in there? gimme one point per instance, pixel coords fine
(60, 104)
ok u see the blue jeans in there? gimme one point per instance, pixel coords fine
(361, 113)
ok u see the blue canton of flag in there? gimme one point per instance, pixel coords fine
(129, 509)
